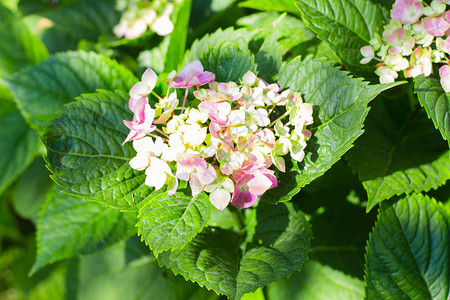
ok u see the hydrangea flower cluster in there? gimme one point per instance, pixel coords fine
(139, 15)
(416, 37)
(225, 146)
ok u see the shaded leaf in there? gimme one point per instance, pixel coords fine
(400, 152)
(32, 190)
(169, 222)
(214, 259)
(317, 282)
(228, 62)
(18, 144)
(340, 106)
(19, 47)
(86, 155)
(69, 226)
(436, 103)
(42, 91)
(407, 253)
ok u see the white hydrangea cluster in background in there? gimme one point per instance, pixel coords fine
(226, 145)
(140, 15)
(416, 37)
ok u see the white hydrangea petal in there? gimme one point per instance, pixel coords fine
(220, 198)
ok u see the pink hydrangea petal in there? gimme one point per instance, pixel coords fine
(259, 184)
(192, 68)
(191, 75)
(207, 176)
(407, 11)
(435, 26)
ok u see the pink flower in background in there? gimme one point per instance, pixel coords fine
(407, 11)
(435, 26)
(192, 75)
(444, 73)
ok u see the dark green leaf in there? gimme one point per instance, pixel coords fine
(436, 103)
(228, 62)
(335, 202)
(340, 106)
(317, 282)
(169, 222)
(214, 259)
(200, 47)
(400, 152)
(42, 91)
(32, 189)
(18, 144)
(269, 56)
(345, 25)
(177, 43)
(19, 47)
(69, 226)
(407, 254)
(86, 155)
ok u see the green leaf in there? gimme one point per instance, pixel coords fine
(340, 106)
(269, 5)
(269, 56)
(407, 253)
(42, 91)
(84, 19)
(228, 62)
(19, 47)
(214, 259)
(400, 152)
(169, 222)
(18, 144)
(436, 103)
(109, 274)
(331, 21)
(177, 43)
(86, 155)
(317, 282)
(240, 36)
(69, 226)
(32, 190)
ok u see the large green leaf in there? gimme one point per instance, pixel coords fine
(42, 91)
(436, 103)
(19, 47)
(86, 155)
(169, 222)
(121, 272)
(400, 152)
(340, 106)
(214, 259)
(228, 62)
(18, 144)
(240, 36)
(317, 282)
(177, 40)
(407, 254)
(69, 226)
(345, 25)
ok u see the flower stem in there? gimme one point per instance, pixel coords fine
(185, 97)
(162, 132)
(238, 217)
